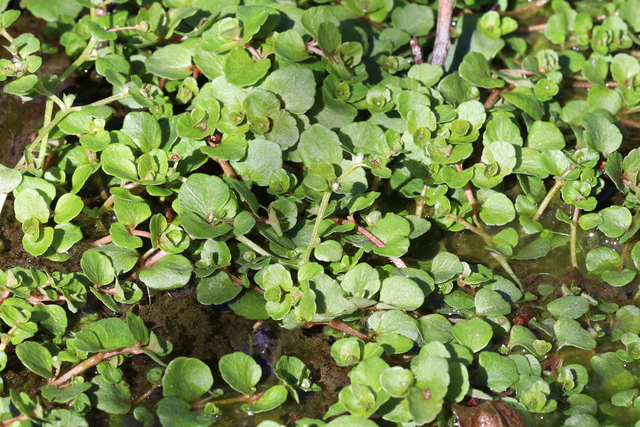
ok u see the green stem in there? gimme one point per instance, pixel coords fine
(7, 338)
(6, 36)
(574, 241)
(550, 195)
(48, 112)
(254, 246)
(502, 260)
(84, 56)
(40, 139)
(316, 227)
(420, 202)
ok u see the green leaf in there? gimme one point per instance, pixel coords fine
(601, 135)
(445, 266)
(427, 74)
(271, 399)
(217, 289)
(319, 145)
(347, 351)
(491, 303)
(498, 372)
(174, 411)
(545, 136)
(36, 357)
(497, 210)
(400, 292)
(137, 329)
(474, 333)
(291, 46)
(435, 327)
(10, 179)
(571, 307)
(172, 62)
(171, 272)
(204, 200)
(295, 86)
(98, 268)
(240, 70)
(186, 378)
(475, 69)
(601, 259)
(112, 398)
(240, 371)
(143, 129)
(569, 332)
(396, 381)
(29, 203)
(363, 281)
(263, 159)
(524, 99)
(415, 19)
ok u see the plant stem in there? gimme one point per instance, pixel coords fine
(253, 246)
(6, 35)
(4, 342)
(107, 203)
(545, 202)
(93, 361)
(48, 112)
(314, 241)
(343, 327)
(397, 261)
(491, 99)
(84, 56)
(574, 241)
(443, 32)
(529, 8)
(10, 421)
(226, 168)
(421, 202)
(502, 260)
(312, 47)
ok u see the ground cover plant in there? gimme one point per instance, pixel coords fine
(458, 222)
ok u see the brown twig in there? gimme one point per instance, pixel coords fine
(527, 9)
(517, 70)
(10, 421)
(343, 327)
(226, 168)
(397, 261)
(39, 299)
(629, 123)
(312, 47)
(532, 28)
(416, 50)
(585, 84)
(443, 32)
(93, 361)
(493, 96)
(4, 295)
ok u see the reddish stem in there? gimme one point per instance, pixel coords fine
(93, 361)
(315, 49)
(336, 324)
(529, 8)
(226, 168)
(629, 123)
(491, 99)
(397, 261)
